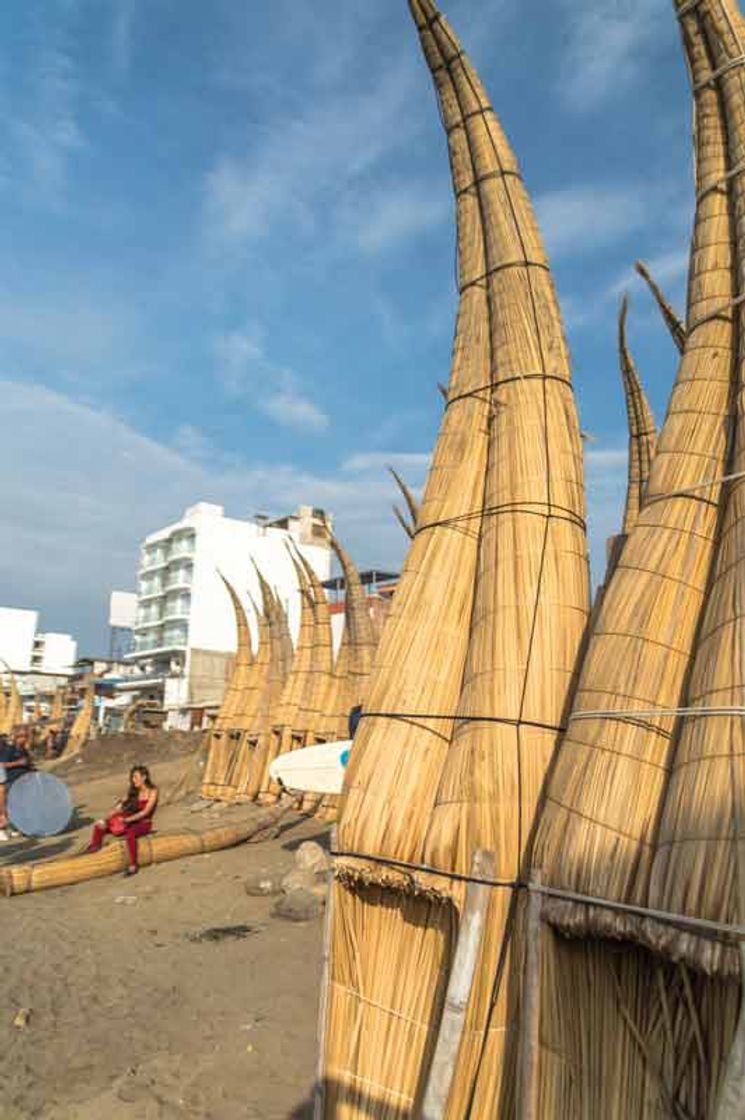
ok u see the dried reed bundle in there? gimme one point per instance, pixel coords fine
(409, 796)
(642, 1038)
(604, 794)
(277, 738)
(221, 772)
(699, 859)
(672, 321)
(624, 1035)
(221, 737)
(3, 709)
(532, 596)
(403, 522)
(242, 664)
(264, 696)
(81, 725)
(57, 710)
(642, 429)
(315, 719)
(362, 640)
(411, 503)
(156, 848)
(13, 704)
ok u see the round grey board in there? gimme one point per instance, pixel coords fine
(39, 804)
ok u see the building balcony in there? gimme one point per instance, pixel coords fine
(177, 613)
(149, 593)
(148, 623)
(178, 579)
(152, 566)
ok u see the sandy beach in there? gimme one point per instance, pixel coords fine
(134, 1008)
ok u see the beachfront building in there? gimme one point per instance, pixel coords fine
(184, 632)
(40, 661)
(25, 649)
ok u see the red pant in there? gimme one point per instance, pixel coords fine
(130, 834)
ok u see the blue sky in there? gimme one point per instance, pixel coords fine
(227, 257)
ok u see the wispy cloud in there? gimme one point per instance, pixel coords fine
(122, 28)
(381, 460)
(585, 217)
(667, 268)
(70, 331)
(46, 127)
(244, 370)
(606, 48)
(101, 466)
(306, 163)
(394, 212)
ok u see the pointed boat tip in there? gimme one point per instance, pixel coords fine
(623, 311)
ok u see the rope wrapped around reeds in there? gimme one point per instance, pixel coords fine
(457, 763)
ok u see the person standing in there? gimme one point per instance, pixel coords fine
(15, 761)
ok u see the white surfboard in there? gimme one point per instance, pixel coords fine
(317, 769)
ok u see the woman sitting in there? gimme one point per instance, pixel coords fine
(131, 817)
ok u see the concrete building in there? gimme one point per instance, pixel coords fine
(24, 649)
(184, 635)
(40, 661)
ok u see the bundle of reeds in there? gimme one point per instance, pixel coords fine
(645, 1037)
(316, 720)
(220, 744)
(476, 661)
(642, 429)
(360, 638)
(12, 704)
(672, 321)
(605, 790)
(156, 848)
(219, 777)
(242, 664)
(276, 739)
(82, 723)
(407, 524)
(260, 696)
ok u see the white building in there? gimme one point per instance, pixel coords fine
(185, 635)
(26, 650)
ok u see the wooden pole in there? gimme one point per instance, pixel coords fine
(319, 1094)
(531, 1005)
(458, 992)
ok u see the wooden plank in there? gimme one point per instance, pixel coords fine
(530, 1019)
(319, 1093)
(470, 935)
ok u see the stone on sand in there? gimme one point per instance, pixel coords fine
(298, 906)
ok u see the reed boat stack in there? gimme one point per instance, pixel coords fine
(282, 697)
(451, 754)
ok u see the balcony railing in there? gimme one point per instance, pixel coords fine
(182, 577)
